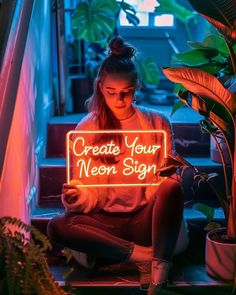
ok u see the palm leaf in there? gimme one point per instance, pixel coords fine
(202, 84)
(221, 14)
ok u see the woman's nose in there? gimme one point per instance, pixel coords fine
(121, 96)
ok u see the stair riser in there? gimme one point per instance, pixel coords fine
(188, 138)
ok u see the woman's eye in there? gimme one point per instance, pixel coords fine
(128, 92)
(110, 93)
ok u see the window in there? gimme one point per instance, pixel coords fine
(147, 16)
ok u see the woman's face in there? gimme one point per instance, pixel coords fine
(118, 92)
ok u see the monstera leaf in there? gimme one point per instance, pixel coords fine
(221, 14)
(130, 12)
(94, 20)
(204, 85)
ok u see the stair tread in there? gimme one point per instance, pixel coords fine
(196, 161)
(190, 275)
(189, 213)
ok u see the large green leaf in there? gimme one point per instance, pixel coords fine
(202, 84)
(210, 42)
(206, 210)
(212, 110)
(195, 57)
(130, 12)
(170, 6)
(94, 20)
(221, 14)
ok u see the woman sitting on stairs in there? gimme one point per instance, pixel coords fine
(143, 225)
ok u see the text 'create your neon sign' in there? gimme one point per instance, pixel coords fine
(115, 157)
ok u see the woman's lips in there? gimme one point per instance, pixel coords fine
(120, 107)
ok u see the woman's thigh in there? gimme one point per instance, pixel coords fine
(70, 224)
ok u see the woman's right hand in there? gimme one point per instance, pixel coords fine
(71, 192)
(76, 199)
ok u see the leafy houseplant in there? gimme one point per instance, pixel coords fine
(212, 95)
(23, 266)
(94, 22)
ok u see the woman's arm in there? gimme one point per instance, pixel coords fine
(74, 197)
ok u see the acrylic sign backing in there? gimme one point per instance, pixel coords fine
(115, 157)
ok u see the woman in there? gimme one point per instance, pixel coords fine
(118, 224)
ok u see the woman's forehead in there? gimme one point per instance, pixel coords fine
(117, 81)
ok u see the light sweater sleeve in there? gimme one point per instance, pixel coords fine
(96, 195)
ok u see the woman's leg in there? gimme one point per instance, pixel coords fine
(166, 222)
(94, 233)
(167, 218)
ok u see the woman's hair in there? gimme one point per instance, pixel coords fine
(118, 62)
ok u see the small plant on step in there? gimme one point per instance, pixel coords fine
(23, 266)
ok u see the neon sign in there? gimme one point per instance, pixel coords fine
(131, 161)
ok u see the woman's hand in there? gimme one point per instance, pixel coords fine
(77, 199)
(71, 192)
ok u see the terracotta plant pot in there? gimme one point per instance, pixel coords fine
(220, 257)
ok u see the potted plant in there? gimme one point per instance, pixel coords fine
(23, 265)
(212, 56)
(149, 76)
(214, 98)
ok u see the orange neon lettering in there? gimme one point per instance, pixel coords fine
(141, 169)
(86, 170)
(139, 159)
(108, 149)
(139, 149)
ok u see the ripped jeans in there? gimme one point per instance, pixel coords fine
(111, 236)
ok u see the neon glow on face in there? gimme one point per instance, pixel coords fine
(139, 163)
(118, 93)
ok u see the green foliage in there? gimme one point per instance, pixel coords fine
(172, 7)
(221, 14)
(23, 266)
(95, 21)
(206, 210)
(211, 55)
(148, 72)
(210, 90)
(129, 11)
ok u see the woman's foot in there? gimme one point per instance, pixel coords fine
(160, 270)
(141, 254)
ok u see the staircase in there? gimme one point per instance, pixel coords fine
(189, 272)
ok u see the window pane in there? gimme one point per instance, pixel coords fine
(143, 8)
(143, 18)
(166, 20)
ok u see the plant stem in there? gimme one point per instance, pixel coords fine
(223, 165)
(232, 56)
(226, 214)
(188, 31)
(231, 229)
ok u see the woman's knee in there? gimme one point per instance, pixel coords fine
(56, 227)
(171, 187)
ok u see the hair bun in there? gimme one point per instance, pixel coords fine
(119, 47)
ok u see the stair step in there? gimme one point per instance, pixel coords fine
(188, 138)
(188, 276)
(53, 175)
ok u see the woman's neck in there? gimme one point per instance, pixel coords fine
(125, 115)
